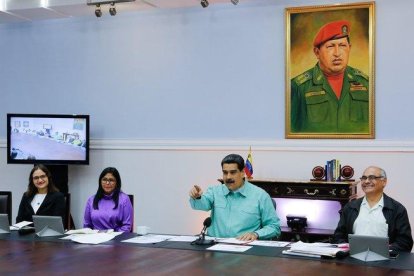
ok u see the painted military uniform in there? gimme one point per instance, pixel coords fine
(316, 108)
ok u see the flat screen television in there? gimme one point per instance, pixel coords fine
(48, 139)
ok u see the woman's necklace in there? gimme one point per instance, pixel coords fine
(39, 199)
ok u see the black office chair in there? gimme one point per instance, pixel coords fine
(68, 223)
(274, 202)
(6, 204)
(131, 198)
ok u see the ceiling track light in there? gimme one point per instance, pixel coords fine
(98, 11)
(204, 3)
(235, 2)
(106, 2)
(112, 10)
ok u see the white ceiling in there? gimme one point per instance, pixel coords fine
(12, 11)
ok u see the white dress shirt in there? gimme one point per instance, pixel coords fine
(371, 221)
(37, 201)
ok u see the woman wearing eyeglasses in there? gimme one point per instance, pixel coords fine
(109, 208)
(42, 197)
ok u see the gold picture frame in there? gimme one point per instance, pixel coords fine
(330, 71)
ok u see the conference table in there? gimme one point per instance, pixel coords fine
(35, 255)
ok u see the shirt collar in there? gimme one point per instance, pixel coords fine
(242, 190)
(380, 203)
(108, 196)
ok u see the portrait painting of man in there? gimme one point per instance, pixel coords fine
(329, 72)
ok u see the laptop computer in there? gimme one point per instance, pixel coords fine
(48, 226)
(368, 248)
(4, 224)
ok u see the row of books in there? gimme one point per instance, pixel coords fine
(333, 170)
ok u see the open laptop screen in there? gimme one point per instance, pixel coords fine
(368, 248)
(4, 224)
(46, 226)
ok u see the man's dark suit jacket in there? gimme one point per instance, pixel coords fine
(52, 205)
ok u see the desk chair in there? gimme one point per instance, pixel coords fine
(131, 198)
(68, 221)
(6, 204)
(273, 202)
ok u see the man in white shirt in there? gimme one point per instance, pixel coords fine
(376, 214)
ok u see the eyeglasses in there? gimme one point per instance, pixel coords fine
(36, 178)
(370, 177)
(108, 180)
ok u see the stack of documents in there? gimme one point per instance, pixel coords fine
(149, 238)
(256, 242)
(20, 225)
(314, 250)
(152, 238)
(90, 236)
(236, 245)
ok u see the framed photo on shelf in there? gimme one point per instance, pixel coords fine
(330, 80)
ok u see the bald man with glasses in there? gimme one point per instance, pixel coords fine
(375, 214)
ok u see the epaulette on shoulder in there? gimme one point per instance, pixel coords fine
(360, 73)
(302, 78)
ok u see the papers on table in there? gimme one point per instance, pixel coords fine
(230, 247)
(19, 225)
(231, 241)
(257, 242)
(324, 244)
(90, 236)
(315, 250)
(293, 253)
(270, 243)
(184, 238)
(235, 245)
(96, 238)
(148, 239)
(82, 231)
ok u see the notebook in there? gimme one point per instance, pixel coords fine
(47, 226)
(4, 224)
(369, 248)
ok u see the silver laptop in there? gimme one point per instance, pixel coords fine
(47, 226)
(369, 248)
(4, 224)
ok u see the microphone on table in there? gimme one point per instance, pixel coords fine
(202, 237)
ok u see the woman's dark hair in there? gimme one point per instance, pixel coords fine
(100, 193)
(31, 188)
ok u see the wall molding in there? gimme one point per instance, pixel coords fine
(257, 145)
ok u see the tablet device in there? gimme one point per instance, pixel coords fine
(368, 248)
(4, 224)
(47, 226)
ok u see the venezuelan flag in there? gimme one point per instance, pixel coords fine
(248, 168)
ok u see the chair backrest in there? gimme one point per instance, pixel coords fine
(131, 198)
(68, 223)
(274, 202)
(6, 204)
